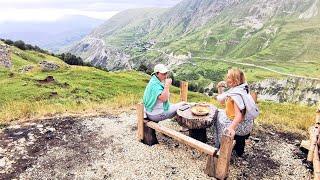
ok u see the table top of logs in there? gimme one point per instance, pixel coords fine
(189, 120)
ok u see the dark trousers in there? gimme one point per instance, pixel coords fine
(240, 144)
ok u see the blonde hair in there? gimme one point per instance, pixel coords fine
(236, 76)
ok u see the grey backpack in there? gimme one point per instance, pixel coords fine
(252, 110)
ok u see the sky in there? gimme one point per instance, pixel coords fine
(50, 10)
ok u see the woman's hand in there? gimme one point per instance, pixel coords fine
(221, 86)
(230, 131)
(232, 127)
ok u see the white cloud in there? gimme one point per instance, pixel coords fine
(49, 14)
(49, 10)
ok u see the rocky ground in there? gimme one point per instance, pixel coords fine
(105, 147)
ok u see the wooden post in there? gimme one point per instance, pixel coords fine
(149, 136)
(318, 116)
(311, 148)
(314, 132)
(316, 164)
(318, 122)
(222, 166)
(140, 128)
(184, 91)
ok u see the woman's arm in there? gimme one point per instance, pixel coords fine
(237, 119)
(221, 86)
(222, 102)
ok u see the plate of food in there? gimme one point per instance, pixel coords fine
(200, 109)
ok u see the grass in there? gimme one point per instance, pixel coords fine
(287, 117)
(76, 89)
(87, 90)
(23, 96)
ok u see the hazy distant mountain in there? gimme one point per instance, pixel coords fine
(105, 45)
(50, 35)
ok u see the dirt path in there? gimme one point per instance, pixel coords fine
(106, 148)
(261, 67)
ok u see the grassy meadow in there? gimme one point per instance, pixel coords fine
(87, 90)
(77, 89)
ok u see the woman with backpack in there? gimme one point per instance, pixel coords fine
(240, 110)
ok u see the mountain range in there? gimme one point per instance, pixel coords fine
(254, 29)
(281, 36)
(50, 35)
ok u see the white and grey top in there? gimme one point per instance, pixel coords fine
(157, 109)
(243, 99)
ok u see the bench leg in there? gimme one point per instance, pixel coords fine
(223, 162)
(210, 167)
(199, 134)
(149, 136)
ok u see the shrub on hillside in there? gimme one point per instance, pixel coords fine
(71, 59)
(68, 57)
(144, 68)
(201, 90)
(8, 41)
(20, 44)
(24, 46)
(193, 87)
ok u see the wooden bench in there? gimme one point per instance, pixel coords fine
(218, 159)
(313, 146)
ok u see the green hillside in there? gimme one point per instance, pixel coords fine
(280, 37)
(85, 90)
(285, 43)
(75, 89)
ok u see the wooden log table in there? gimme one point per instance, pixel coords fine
(196, 124)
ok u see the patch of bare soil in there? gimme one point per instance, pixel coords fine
(106, 148)
(48, 79)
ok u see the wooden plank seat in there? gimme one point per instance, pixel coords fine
(218, 159)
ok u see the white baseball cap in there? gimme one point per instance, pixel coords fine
(161, 68)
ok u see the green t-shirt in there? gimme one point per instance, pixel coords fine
(151, 93)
